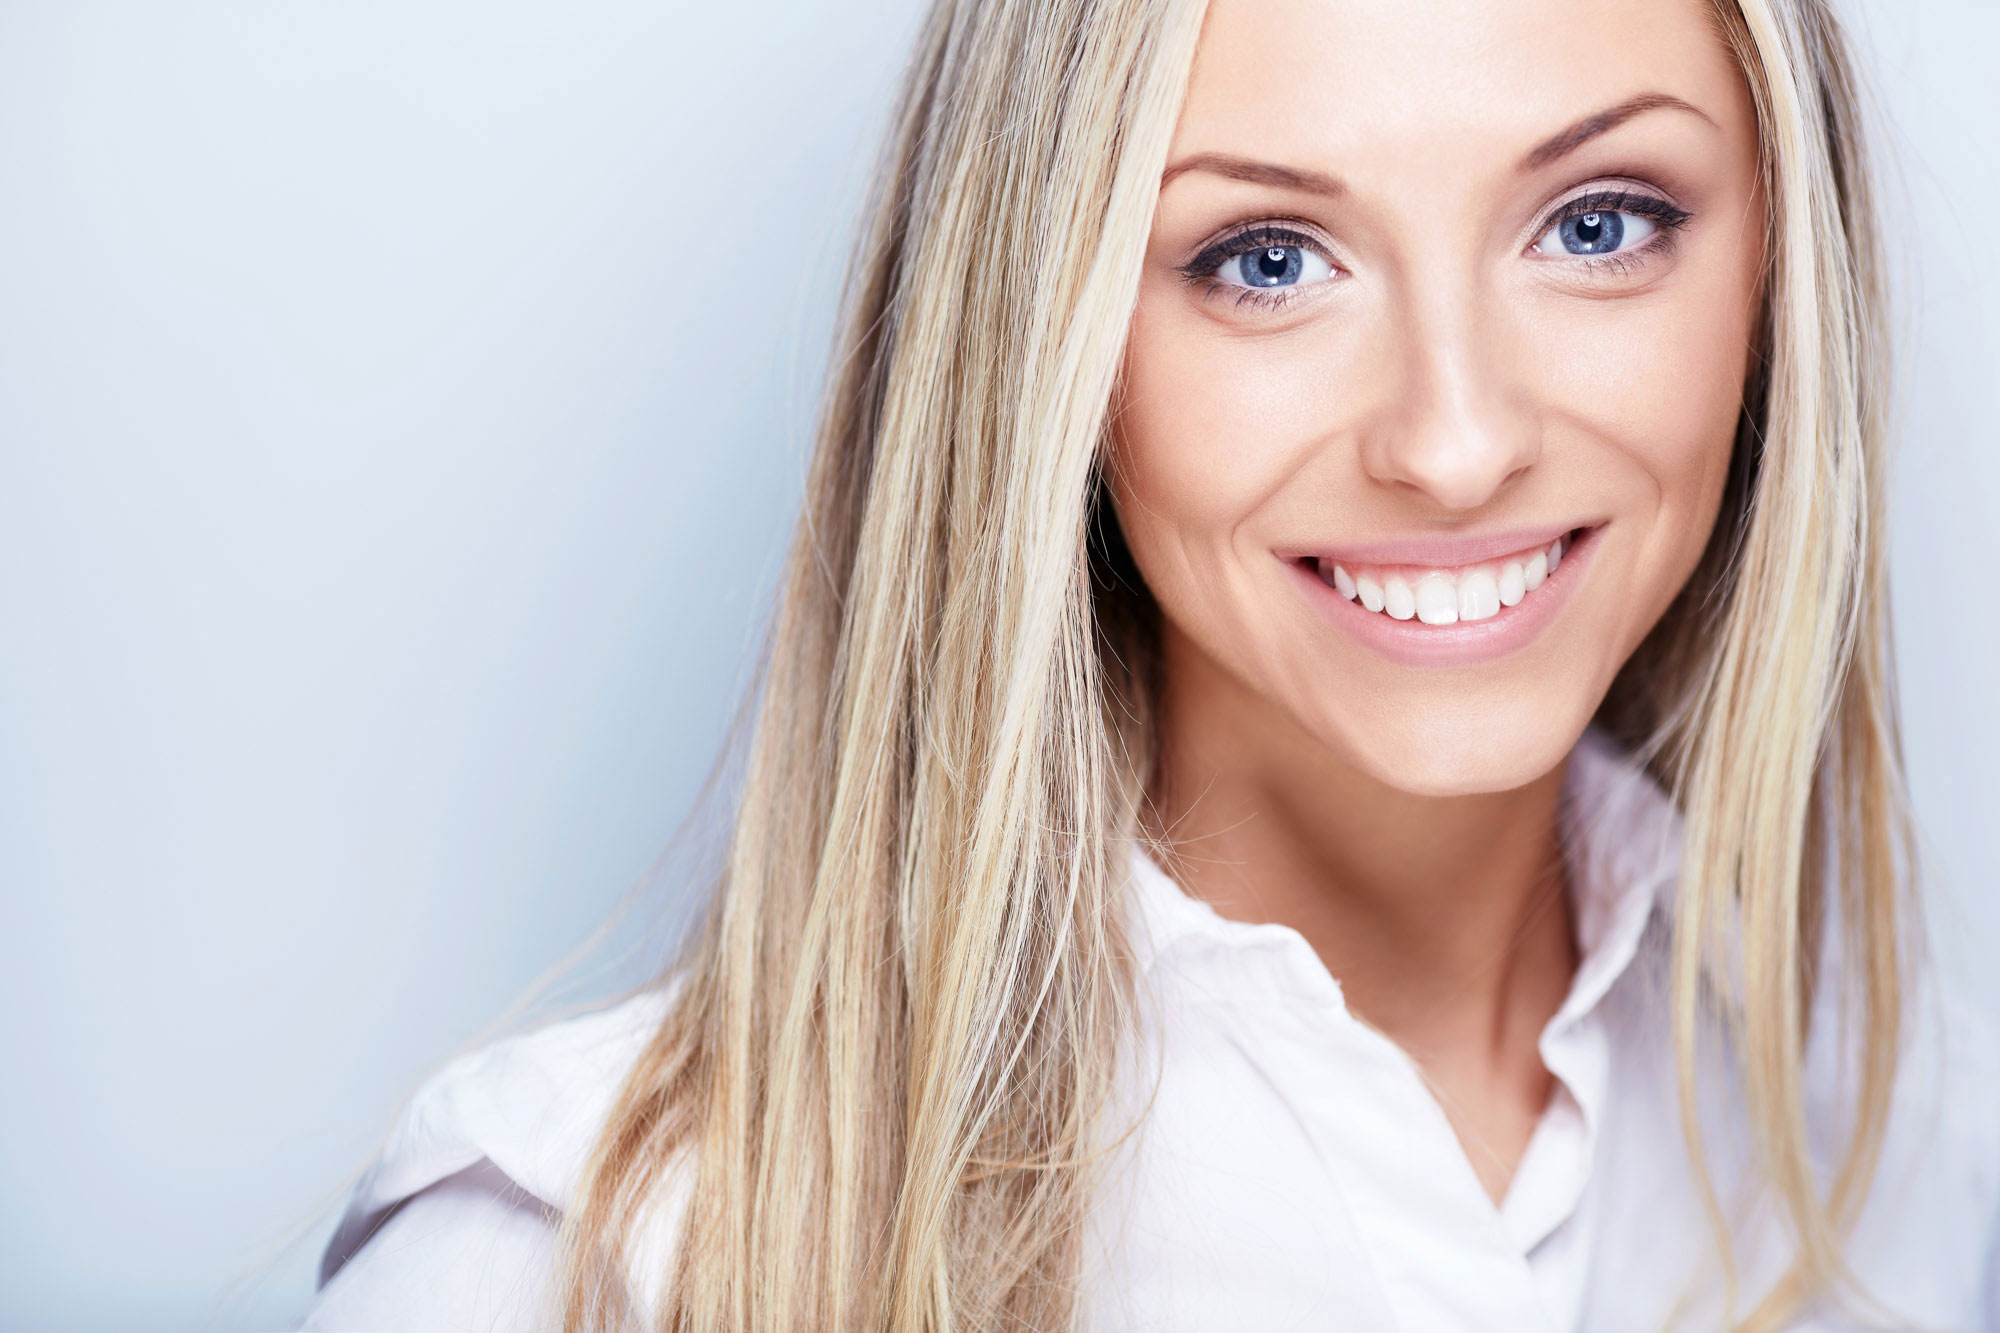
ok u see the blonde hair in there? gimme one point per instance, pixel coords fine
(887, 1065)
(1765, 698)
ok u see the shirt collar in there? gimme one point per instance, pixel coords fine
(1622, 833)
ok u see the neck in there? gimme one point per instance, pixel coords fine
(1444, 917)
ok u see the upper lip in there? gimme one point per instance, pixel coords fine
(1441, 552)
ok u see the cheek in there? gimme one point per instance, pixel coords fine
(1658, 386)
(1212, 429)
(1201, 445)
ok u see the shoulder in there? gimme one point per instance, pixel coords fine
(531, 1105)
(1950, 1084)
(1948, 1081)
(471, 1252)
(1925, 1241)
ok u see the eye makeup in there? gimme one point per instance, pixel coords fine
(1665, 219)
(1200, 272)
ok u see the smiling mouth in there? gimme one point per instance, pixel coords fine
(1446, 596)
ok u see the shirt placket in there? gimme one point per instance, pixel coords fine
(1433, 1236)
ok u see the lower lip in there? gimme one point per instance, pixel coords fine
(1467, 643)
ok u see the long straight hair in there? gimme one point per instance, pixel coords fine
(1765, 699)
(883, 1081)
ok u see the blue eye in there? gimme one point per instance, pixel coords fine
(1275, 265)
(1598, 228)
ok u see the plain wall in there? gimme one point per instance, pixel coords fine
(401, 411)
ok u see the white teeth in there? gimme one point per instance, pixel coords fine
(1401, 602)
(1447, 596)
(1437, 600)
(1478, 596)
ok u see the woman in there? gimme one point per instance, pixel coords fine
(1327, 757)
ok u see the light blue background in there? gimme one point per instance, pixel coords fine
(401, 410)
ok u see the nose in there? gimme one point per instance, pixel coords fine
(1456, 426)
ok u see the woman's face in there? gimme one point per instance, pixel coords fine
(1433, 287)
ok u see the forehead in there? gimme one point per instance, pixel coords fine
(1394, 85)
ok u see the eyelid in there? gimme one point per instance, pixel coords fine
(1618, 197)
(1248, 236)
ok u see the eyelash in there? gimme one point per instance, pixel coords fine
(1667, 220)
(1200, 271)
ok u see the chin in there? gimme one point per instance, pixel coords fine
(1461, 747)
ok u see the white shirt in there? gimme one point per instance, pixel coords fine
(1294, 1170)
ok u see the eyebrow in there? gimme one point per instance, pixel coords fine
(1256, 173)
(1575, 136)
(1560, 144)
